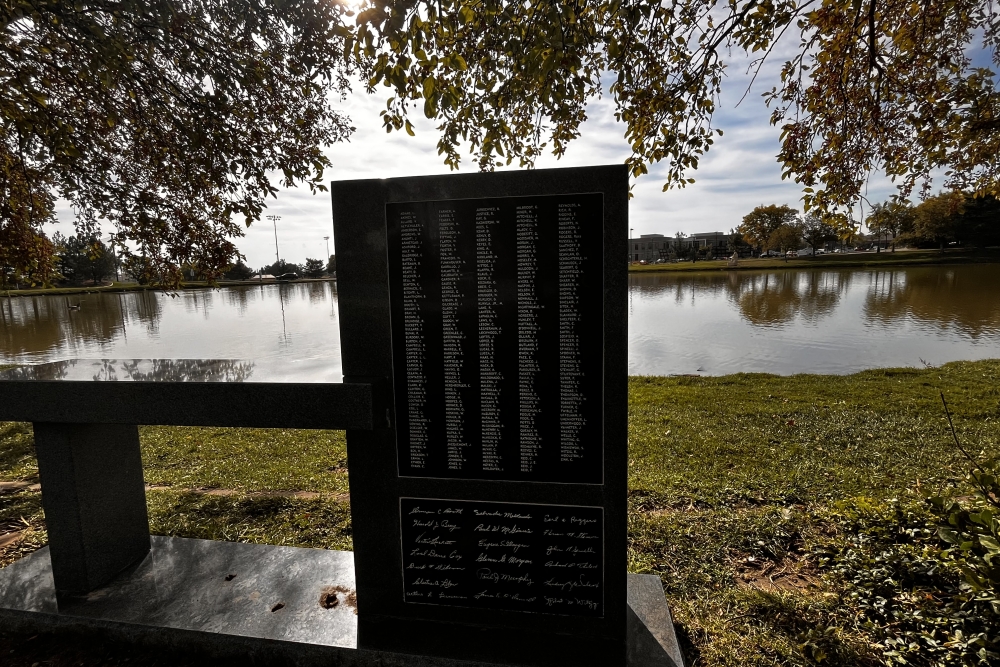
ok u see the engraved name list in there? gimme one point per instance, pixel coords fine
(497, 353)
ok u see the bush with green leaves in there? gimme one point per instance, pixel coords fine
(973, 532)
(906, 593)
(924, 579)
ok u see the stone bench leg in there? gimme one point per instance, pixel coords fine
(94, 500)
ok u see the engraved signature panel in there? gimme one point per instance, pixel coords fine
(513, 556)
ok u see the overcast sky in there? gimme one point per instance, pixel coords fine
(739, 173)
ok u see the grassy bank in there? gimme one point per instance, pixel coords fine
(832, 261)
(784, 515)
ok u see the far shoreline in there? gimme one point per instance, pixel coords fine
(118, 288)
(851, 260)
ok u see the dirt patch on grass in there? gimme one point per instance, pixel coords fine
(9, 539)
(12, 487)
(790, 575)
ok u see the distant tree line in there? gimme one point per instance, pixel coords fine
(949, 218)
(312, 268)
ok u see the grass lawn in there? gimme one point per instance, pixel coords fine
(831, 261)
(785, 515)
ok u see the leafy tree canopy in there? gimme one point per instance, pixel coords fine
(280, 267)
(163, 117)
(313, 268)
(890, 218)
(951, 217)
(868, 85)
(788, 236)
(84, 258)
(760, 223)
(238, 271)
(817, 231)
(844, 226)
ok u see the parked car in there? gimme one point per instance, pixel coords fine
(792, 253)
(288, 276)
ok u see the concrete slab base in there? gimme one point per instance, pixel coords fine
(264, 604)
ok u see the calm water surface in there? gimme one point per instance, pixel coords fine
(815, 321)
(782, 321)
(289, 331)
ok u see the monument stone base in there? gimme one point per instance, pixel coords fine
(264, 604)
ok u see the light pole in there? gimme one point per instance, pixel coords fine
(274, 220)
(630, 230)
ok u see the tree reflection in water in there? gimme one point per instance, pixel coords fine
(779, 297)
(287, 330)
(32, 325)
(763, 298)
(812, 320)
(965, 298)
(136, 370)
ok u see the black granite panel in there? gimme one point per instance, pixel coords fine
(262, 405)
(497, 343)
(529, 558)
(94, 500)
(385, 620)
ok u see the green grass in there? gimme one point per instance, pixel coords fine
(831, 261)
(729, 469)
(734, 482)
(245, 459)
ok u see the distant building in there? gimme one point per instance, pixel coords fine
(651, 247)
(717, 241)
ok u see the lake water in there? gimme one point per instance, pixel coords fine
(812, 321)
(781, 321)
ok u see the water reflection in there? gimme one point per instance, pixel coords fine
(962, 298)
(789, 321)
(32, 324)
(779, 321)
(766, 298)
(777, 298)
(136, 370)
(289, 330)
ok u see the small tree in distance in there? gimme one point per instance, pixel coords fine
(331, 265)
(845, 227)
(313, 268)
(280, 267)
(239, 271)
(85, 258)
(817, 231)
(937, 218)
(890, 219)
(784, 238)
(760, 223)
